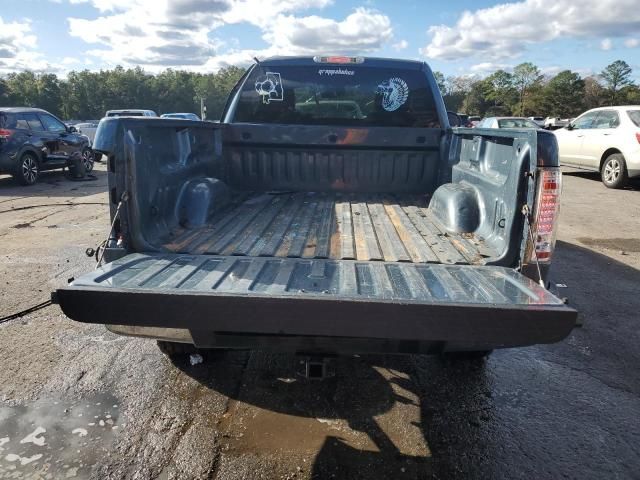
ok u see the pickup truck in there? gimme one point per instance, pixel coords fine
(332, 210)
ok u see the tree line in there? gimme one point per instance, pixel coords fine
(525, 91)
(88, 95)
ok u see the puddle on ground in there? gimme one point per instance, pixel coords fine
(52, 439)
(620, 244)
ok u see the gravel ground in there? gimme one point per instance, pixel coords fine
(79, 402)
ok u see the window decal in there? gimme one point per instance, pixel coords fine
(269, 87)
(395, 92)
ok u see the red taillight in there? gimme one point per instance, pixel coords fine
(638, 136)
(545, 215)
(4, 133)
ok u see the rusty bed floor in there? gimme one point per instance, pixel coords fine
(336, 226)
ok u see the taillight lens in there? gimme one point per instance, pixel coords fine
(4, 133)
(545, 215)
(638, 136)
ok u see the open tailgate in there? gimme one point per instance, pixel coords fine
(492, 306)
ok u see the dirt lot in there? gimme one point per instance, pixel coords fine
(78, 402)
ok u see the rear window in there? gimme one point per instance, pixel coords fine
(351, 95)
(634, 115)
(125, 114)
(516, 123)
(3, 120)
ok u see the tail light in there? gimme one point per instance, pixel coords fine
(5, 134)
(545, 215)
(638, 136)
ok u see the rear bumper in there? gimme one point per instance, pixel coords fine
(7, 162)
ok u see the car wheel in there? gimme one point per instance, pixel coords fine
(614, 171)
(28, 169)
(87, 159)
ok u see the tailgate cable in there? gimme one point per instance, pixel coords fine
(102, 247)
(527, 216)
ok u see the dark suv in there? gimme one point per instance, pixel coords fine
(33, 140)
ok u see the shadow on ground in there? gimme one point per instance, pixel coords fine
(55, 183)
(567, 410)
(634, 183)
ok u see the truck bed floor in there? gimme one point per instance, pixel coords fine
(337, 226)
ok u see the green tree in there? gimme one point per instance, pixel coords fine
(4, 93)
(564, 95)
(49, 95)
(457, 88)
(595, 94)
(440, 81)
(475, 102)
(23, 89)
(499, 89)
(526, 77)
(616, 76)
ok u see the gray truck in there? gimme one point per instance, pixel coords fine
(332, 210)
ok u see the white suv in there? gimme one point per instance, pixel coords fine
(606, 140)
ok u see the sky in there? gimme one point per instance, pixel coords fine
(456, 37)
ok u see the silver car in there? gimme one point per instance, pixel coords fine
(605, 140)
(507, 122)
(88, 129)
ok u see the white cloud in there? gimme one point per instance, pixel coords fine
(181, 33)
(486, 68)
(401, 45)
(606, 44)
(505, 30)
(362, 31)
(631, 42)
(18, 48)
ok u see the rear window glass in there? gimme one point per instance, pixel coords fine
(21, 122)
(125, 114)
(516, 123)
(634, 115)
(3, 120)
(351, 95)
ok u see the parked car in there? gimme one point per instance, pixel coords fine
(538, 121)
(131, 112)
(183, 116)
(464, 120)
(285, 228)
(552, 123)
(474, 120)
(34, 140)
(605, 140)
(507, 122)
(88, 129)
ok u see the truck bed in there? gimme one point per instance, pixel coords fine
(366, 227)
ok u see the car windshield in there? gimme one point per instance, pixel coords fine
(634, 115)
(516, 123)
(337, 95)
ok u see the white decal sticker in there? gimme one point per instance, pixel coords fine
(394, 93)
(335, 71)
(269, 87)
